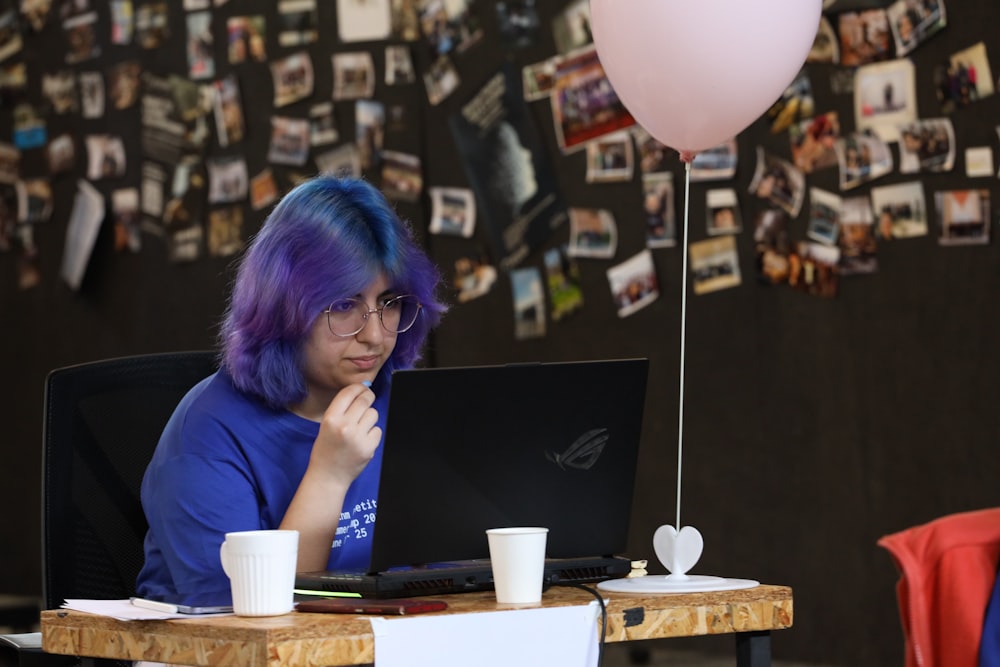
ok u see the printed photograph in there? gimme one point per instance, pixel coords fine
(862, 157)
(322, 125)
(440, 80)
(858, 245)
(610, 158)
(771, 246)
(562, 278)
(592, 233)
(885, 97)
(715, 265)
(965, 79)
(343, 161)
(91, 94)
(369, 132)
(658, 205)
(363, 20)
(402, 178)
(914, 21)
(654, 157)
(292, 77)
(105, 156)
(824, 216)
(795, 104)
(963, 216)
(289, 141)
(474, 277)
(61, 154)
(633, 283)
(200, 45)
(125, 214)
(722, 208)
(584, 105)
(528, 302)
(814, 142)
(826, 45)
(927, 145)
(571, 27)
(123, 84)
(297, 22)
(247, 39)
(714, 164)
(228, 111)
(778, 181)
(353, 75)
(398, 65)
(900, 209)
(864, 37)
(538, 79)
(519, 23)
(453, 211)
(228, 181)
(813, 269)
(263, 190)
(225, 231)
(450, 25)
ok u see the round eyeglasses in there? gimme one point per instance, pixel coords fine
(347, 317)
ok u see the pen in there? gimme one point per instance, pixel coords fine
(165, 607)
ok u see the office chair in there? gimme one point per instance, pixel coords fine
(102, 421)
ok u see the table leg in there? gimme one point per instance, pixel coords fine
(753, 649)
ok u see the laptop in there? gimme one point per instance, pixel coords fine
(478, 447)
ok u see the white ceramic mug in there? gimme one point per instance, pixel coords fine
(517, 556)
(260, 565)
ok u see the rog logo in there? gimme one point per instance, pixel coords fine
(583, 453)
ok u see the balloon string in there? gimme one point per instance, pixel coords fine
(684, 275)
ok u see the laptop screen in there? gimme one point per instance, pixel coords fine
(542, 444)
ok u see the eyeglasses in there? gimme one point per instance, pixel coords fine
(347, 317)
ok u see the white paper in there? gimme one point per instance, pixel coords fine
(978, 161)
(541, 637)
(124, 610)
(81, 233)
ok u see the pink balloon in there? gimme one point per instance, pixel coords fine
(695, 73)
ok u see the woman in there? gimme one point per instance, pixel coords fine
(332, 296)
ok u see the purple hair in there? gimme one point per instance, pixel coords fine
(326, 239)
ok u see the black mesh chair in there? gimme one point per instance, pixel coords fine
(102, 421)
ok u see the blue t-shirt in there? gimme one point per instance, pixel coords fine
(228, 462)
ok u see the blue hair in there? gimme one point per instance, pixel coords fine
(326, 239)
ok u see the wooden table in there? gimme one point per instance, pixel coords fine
(315, 640)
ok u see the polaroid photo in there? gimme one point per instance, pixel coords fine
(363, 20)
(247, 39)
(105, 156)
(528, 303)
(814, 269)
(963, 216)
(592, 233)
(200, 45)
(965, 79)
(610, 158)
(715, 164)
(449, 25)
(122, 26)
(633, 283)
(402, 178)
(293, 78)
(722, 212)
(862, 157)
(795, 104)
(124, 84)
(225, 231)
(537, 79)
(927, 145)
(263, 190)
(778, 181)
(585, 106)
(228, 181)
(771, 246)
(978, 161)
(858, 245)
(289, 141)
(885, 97)
(440, 80)
(353, 75)
(901, 210)
(322, 125)
(60, 153)
(230, 125)
(571, 27)
(453, 211)
(519, 23)
(824, 216)
(369, 131)
(914, 21)
(398, 65)
(814, 142)
(562, 277)
(405, 20)
(826, 46)
(152, 25)
(474, 277)
(658, 204)
(654, 157)
(343, 161)
(864, 37)
(30, 130)
(297, 22)
(34, 200)
(60, 89)
(125, 214)
(715, 265)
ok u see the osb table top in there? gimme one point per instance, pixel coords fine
(315, 640)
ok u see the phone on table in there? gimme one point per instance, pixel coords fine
(387, 607)
(171, 608)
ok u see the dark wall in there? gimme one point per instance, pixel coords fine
(811, 426)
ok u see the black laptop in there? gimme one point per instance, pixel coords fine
(477, 447)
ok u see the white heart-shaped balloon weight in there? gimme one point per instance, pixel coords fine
(678, 551)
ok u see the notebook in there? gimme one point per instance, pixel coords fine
(478, 447)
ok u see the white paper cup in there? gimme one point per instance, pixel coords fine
(260, 565)
(517, 556)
